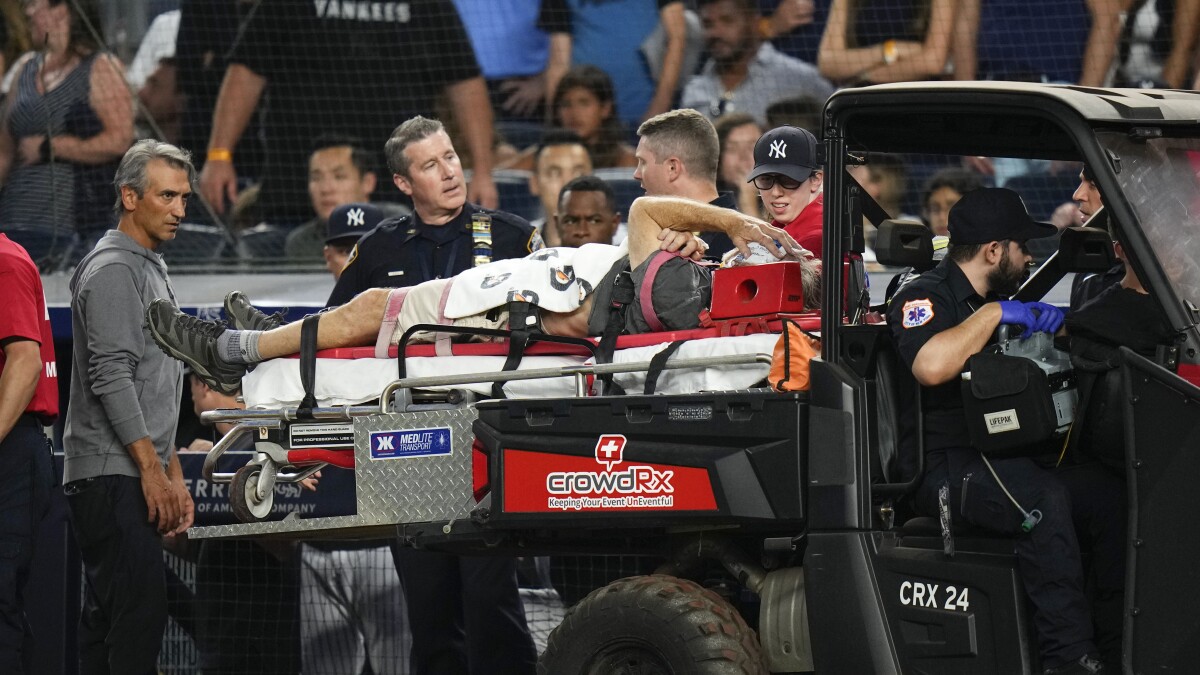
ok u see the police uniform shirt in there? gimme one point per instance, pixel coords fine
(405, 251)
(938, 300)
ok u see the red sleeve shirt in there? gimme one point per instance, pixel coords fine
(806, 228)
(25, 316)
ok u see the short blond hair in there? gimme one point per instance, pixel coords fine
(685, 134)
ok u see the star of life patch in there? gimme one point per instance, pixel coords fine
(917, 313)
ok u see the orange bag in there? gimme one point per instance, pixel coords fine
(789, 362)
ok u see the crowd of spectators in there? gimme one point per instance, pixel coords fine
(256, 90)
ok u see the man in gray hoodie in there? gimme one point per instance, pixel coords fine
(122, 478)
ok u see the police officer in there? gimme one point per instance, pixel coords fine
(445, 235)
(465, 613)
(28, 402)
(940, 320)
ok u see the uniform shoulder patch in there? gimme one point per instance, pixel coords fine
(917, 312)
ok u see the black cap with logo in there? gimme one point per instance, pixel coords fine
(352, 221)
(994, 214)
(789, 151)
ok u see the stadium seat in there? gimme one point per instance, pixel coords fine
(43, 246)
(519, 134)
(515, 196)
(1042, 193)
(263, 241)
(195, 243)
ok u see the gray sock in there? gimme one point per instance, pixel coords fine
(239, 346)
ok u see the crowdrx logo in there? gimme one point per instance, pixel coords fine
(634, 480)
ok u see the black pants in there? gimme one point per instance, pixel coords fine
(1086, 498)
(465, 613)
(26, 478)
(125, 591)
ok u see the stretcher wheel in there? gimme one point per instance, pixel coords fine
(243, 495)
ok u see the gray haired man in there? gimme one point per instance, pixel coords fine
(122, 478)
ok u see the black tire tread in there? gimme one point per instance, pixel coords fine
(714, 634)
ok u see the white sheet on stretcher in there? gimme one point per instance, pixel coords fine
(276, 383)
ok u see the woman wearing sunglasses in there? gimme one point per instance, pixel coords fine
(788, 178)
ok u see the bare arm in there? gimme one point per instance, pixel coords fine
(240, 92)
(838, 61)
(1183, 43)
(1102, 41)
(557, 65)
(18, 382)
(675, 26)
(183, 498)
(470, 98)
(649, 216)
(8, 147)
(943, 357)
(930, 59)
(963, 46)
(111, 100)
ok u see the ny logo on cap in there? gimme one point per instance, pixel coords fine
(778, 149)
(354, 218)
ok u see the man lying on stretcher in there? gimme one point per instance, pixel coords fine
(562, 283)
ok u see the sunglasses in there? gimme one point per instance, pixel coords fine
(770, 180)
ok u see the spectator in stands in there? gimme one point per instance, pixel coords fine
(340, 171)
(513, 53)
(789, 179)
(561, 157)
(28, 402)
(67, 120)
(161, 104)
(941, 192)
(794, 26)
(347, 224)
(14, 36)
(331, 69)
(677, 156)
(122, 478)
(437, 240)
(583, 104)
(885, 178)
(737, 133)
(744, 73)
(158, 43)
(992, 40)
(797, 111)
(1158, 44)
(612, 35)
(586, 212)
(872, 41)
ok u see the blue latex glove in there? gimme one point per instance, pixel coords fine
(1049, 317)
(1017, 313)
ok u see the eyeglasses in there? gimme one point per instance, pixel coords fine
(769, 180)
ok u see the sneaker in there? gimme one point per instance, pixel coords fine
(193, 341)
(241, 315)
(1088, 664)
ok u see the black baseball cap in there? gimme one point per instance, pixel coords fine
(352, 221)
(790, 151)
(994, 214)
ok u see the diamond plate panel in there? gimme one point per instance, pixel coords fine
(390, 491)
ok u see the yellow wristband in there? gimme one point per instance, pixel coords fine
(764, 28)
(889, 52)
(220, 155)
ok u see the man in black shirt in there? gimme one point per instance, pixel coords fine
(439, 239)
(939, 321)
(677, 156)
(349, 68)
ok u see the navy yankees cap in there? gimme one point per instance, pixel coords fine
(789, 151)
(994, 214)
(351, 221)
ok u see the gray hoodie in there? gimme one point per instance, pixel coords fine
(123, 387)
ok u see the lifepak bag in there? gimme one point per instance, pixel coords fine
(1009, 405)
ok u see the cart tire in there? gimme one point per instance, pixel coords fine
(243, 495)
(652, 625)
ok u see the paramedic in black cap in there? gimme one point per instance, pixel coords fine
(347, 224)
(940, 320)
(788, 175)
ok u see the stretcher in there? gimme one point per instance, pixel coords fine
(408, 421)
